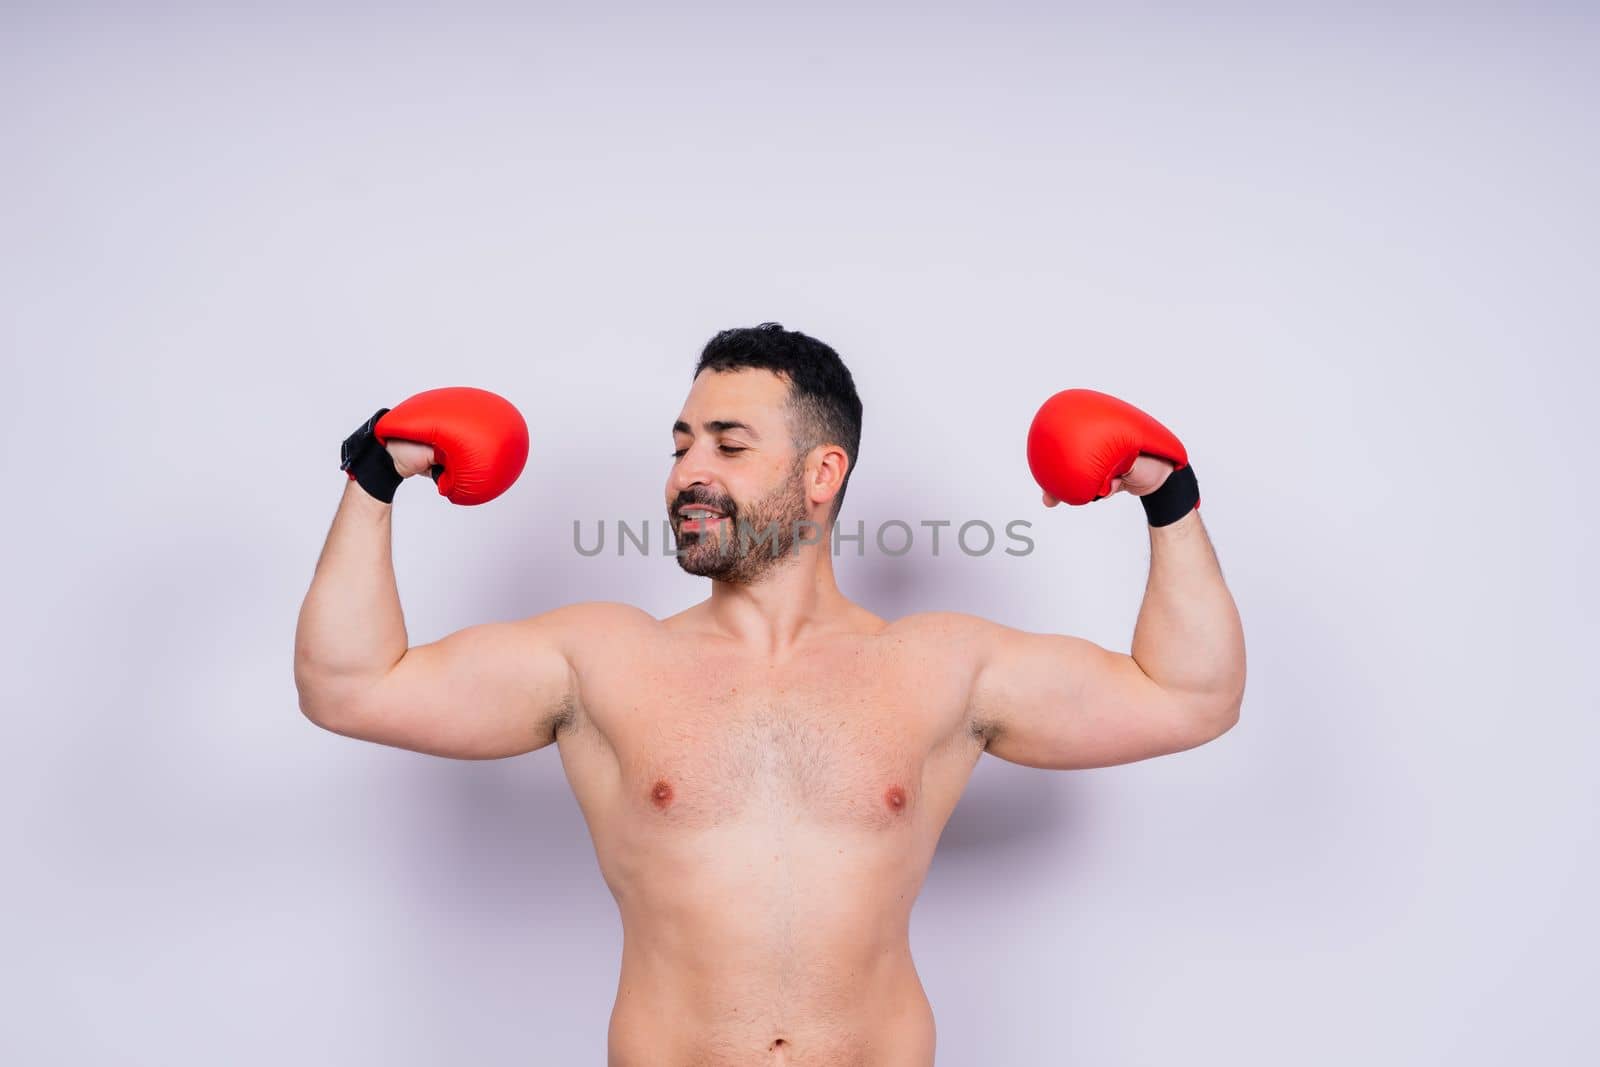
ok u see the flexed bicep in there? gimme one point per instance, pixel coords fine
(485, 692)
(1062, 702)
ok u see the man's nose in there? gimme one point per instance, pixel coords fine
(687, 475)
(691, 470)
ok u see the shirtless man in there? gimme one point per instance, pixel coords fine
(765, 774)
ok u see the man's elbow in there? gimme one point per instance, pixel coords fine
(1219, 718)
(325, 699)
(315, 703)
(1207, 720)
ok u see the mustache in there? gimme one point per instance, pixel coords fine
(721, 504)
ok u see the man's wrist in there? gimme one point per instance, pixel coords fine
(364, 458)
(1178, 495)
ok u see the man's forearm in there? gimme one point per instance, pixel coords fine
(351, 629)
(1188, 638)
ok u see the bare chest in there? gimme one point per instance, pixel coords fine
(844, 741)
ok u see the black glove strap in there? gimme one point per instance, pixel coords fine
(1178, 495)
(369, 462)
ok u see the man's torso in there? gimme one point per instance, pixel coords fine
(765, 826)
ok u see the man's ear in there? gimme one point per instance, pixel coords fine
(825, 472)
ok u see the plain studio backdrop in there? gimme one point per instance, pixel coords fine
(1349, 258)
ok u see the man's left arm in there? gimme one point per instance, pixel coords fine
(1061, 702)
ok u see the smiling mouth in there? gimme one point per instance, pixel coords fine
(693, 520)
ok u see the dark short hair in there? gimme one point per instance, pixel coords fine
(823, 406)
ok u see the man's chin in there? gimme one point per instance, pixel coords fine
(689, 567)
(714, 569)
(704, 560)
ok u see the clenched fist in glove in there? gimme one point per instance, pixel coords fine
(473, 442)
(1085, 445)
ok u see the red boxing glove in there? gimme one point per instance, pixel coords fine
(1080, 440)
(480, 442)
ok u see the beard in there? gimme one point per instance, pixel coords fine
(752, 541)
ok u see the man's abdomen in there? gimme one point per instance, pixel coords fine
(844, 1012)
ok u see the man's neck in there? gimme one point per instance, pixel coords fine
(793, 602)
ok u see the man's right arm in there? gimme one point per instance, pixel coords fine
(485, 692)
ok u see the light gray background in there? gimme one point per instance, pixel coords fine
(1349, 258)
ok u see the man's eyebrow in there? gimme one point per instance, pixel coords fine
(717, 426)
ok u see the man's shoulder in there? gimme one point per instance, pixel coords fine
(941, 627)
(597, 618)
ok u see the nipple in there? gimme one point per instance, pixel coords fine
(661, 794)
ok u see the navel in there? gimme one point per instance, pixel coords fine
(661, 794)
(895, 797)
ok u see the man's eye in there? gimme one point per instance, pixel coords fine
(729, 449)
